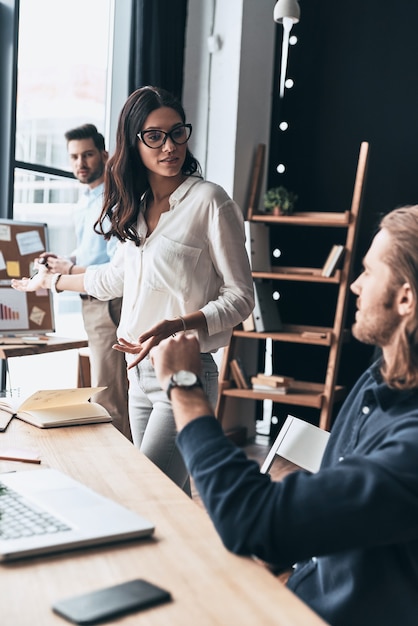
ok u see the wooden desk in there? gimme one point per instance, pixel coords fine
(209, 585)
(55, 344)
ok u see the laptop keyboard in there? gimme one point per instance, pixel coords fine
(21, 518)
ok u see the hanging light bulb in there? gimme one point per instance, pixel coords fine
(286, 8)
(287, 13)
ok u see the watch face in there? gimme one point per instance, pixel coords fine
(184, 378)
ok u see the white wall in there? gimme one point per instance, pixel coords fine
(196, 88)
(227, 93)
(227, 96)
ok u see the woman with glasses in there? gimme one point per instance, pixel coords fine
(181, 264)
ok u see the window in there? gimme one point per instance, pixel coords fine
(62, 74)
(62, 82)
(61, 64)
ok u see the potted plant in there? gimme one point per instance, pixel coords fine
(279, 201)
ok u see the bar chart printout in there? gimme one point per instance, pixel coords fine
(13, 310)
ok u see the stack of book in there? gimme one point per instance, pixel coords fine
(272, 383)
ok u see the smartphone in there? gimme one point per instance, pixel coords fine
(104, 604)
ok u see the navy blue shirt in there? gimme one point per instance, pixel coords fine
(351, 530)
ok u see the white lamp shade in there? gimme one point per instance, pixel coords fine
(286, 8)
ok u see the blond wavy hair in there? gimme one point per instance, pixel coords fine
(402, 259)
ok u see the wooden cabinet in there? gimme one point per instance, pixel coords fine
(317, 395)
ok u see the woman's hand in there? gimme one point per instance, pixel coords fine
(147, 341)
(41, 280)
(131, 348)
(172, 355)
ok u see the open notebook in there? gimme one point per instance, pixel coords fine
(68, 515)
(49, 408)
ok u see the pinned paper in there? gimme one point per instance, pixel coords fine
(29, 242)
(2, 261)
(37, 315)
(32, 269)
(41, 292)
(13, 269)
(5, 233)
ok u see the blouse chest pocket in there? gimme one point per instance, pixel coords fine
(170, 267)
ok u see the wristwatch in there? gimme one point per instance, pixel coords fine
(183, 379)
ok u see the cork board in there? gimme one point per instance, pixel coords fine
(23, 313)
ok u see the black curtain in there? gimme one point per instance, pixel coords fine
(157, 44)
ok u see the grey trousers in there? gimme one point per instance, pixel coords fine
(108, 367)
(152, 421)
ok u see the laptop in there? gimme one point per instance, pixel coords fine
(68, 514)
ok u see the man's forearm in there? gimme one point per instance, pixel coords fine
(189, 404)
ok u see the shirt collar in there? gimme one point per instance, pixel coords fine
(387, 396)
(183, 189)
(95, 192)
(178, 194)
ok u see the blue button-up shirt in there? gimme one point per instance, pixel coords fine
(351, 529)
(92, 248)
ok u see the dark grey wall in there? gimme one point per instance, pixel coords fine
(355, 69)
(356, 78)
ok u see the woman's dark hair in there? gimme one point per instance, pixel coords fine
(125, 175)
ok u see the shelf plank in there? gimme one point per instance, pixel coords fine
(290, 333)
(301, 274)
(299, 394)
(309, 218)
(297, 398)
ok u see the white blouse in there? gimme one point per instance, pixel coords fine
(195, 259)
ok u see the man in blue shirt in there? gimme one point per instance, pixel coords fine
(350, 531)
(88, 156)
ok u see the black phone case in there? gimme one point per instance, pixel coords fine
(102, 605)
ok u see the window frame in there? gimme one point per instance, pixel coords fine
(117, 92)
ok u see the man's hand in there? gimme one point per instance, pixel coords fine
(170, 356)
(55, 264)
(174, 354)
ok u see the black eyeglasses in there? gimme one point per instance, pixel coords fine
(156, 138)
